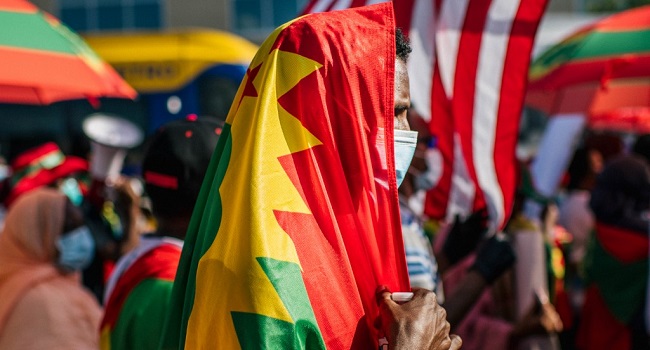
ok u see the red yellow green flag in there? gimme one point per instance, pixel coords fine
(616, 270)
(138, 293)
(297, 222)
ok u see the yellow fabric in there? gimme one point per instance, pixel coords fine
(214, 298)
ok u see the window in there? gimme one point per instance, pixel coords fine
(110, 17)
(257, 18)
(147, 15)
(284, 11)
(94, 15)
(76, 17)
(248, 14)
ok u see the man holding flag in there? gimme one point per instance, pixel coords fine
(297, 221)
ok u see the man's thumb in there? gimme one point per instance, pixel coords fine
(456, 342)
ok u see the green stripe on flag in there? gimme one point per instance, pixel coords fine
(621, 285)
(142, 317)
(262, 332)
(32, 31)
(593, 46)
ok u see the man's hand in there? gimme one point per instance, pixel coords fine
(127, 206)
(541, 318)
(495, 256)
(464, 236)
(417, 324)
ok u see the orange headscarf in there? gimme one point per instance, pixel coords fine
(27, 261)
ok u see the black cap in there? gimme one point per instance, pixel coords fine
(622, 193)
(642, 146)
(176, 160)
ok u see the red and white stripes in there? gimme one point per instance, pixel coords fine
(468, 73)
(483, 49)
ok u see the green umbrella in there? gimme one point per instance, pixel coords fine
(602, 71)
(42, 61)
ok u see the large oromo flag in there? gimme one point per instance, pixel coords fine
(468, 72)
(297, 222)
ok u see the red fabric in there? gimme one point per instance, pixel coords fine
(624, 245)
(511, 98)
(442, 128)
(160, 263)
(631, 119)
(314, 6)
(335, 115)
(39, 77)
(599, 330)
(465, 89)
(472, 125)
(465, 119)
(161, 180)
(18, 6)
(40, 175)
(355, 223)
(635, 19)
(403, 14)
(611, 89)
(563, 307)
(32, 155)
(623, 105)
(592, 70)
(108, 268)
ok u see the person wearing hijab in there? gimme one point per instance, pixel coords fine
(43, 247)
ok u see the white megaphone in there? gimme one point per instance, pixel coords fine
(111, 137)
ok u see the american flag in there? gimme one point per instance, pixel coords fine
(468, 73)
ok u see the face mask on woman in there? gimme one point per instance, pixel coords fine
(76, 249)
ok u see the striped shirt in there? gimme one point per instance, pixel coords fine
(422, 266)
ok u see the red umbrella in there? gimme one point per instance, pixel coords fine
(602, 71)
(42, 61)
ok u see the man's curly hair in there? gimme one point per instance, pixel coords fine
(402, 45)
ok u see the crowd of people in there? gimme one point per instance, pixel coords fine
(81, 269)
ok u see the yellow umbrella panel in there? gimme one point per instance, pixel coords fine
(166, 61)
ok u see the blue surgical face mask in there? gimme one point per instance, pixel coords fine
(405, 142)
(76, 249)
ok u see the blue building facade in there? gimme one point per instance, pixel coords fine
(252, 19)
